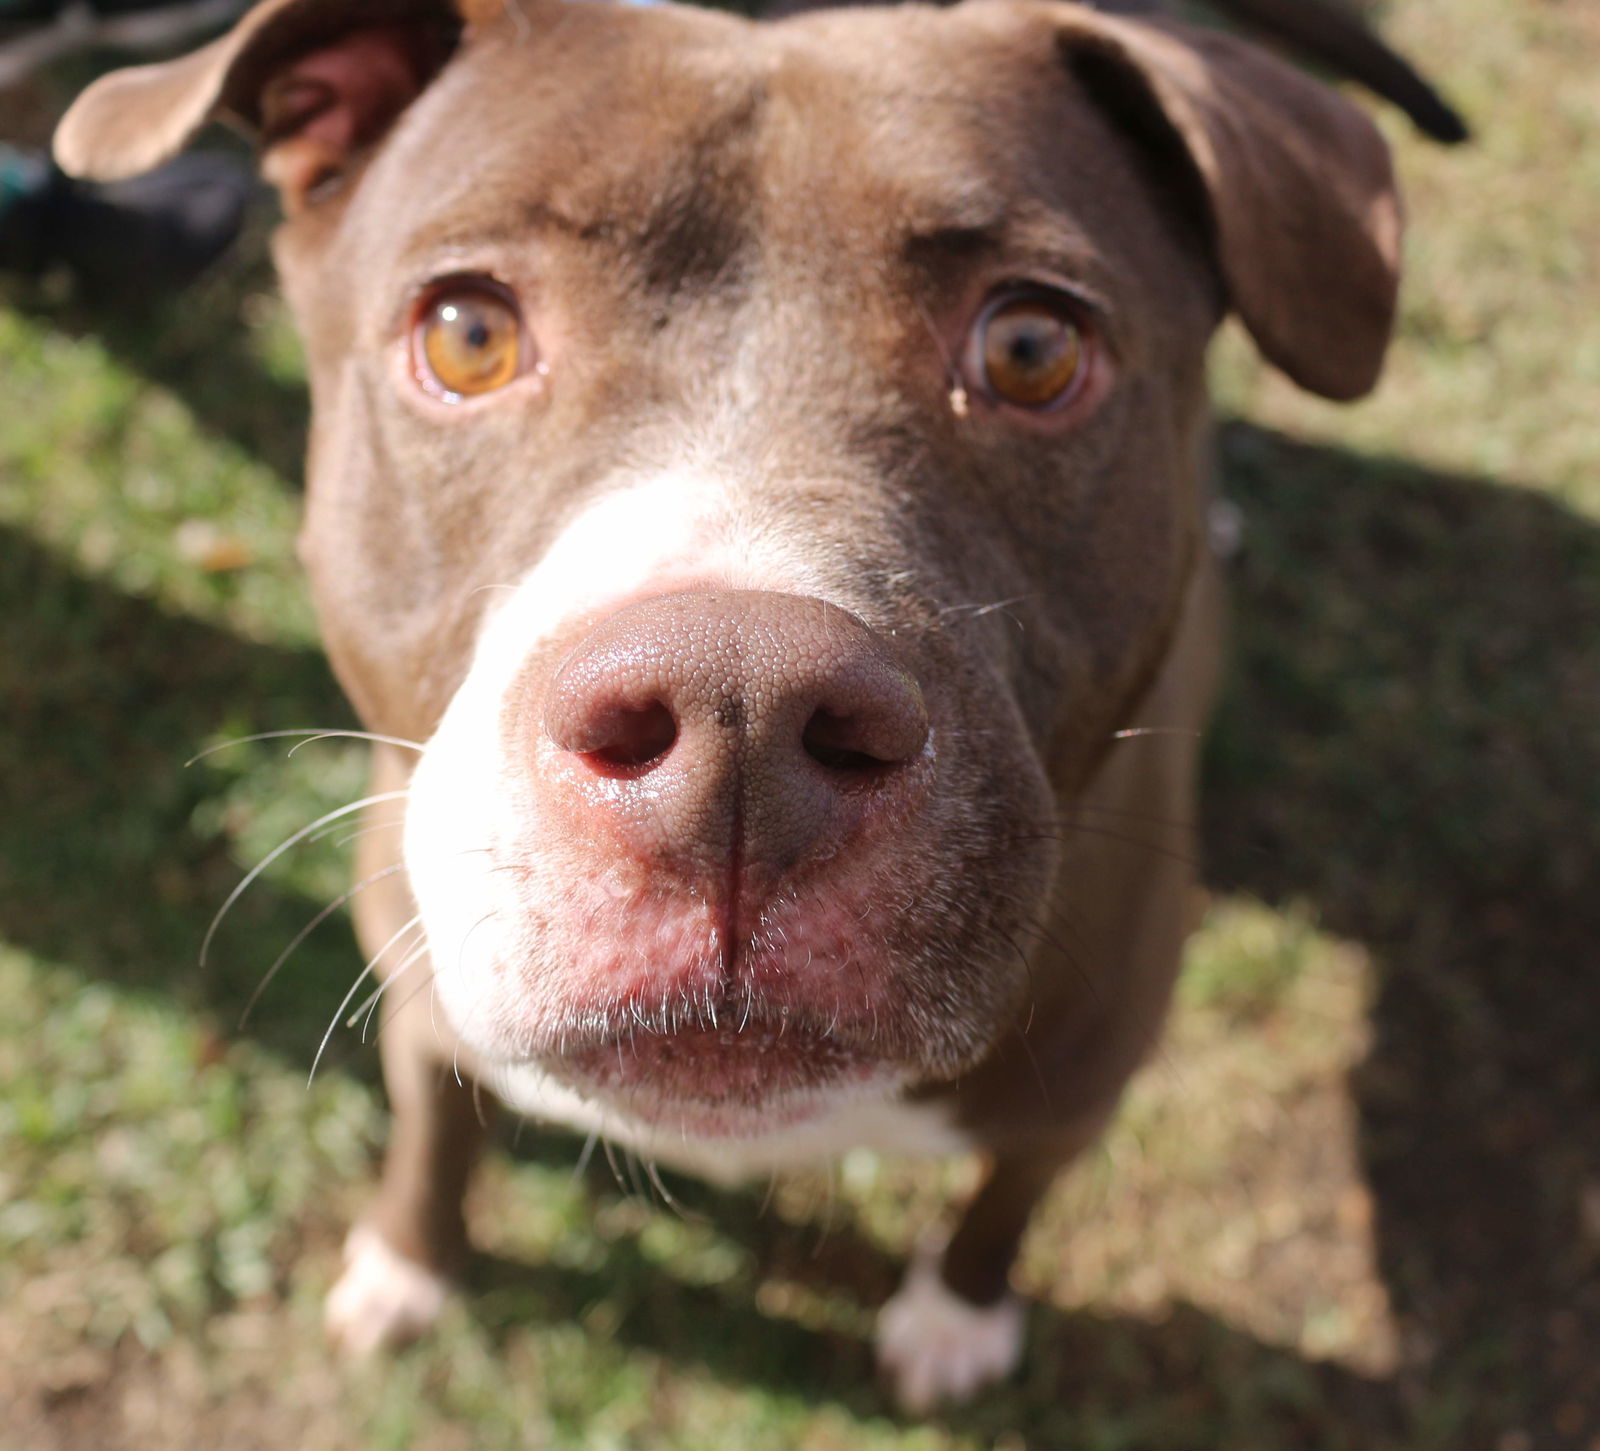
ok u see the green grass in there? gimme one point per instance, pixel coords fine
(1353, 1202)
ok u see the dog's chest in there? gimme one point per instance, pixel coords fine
(888, 1125)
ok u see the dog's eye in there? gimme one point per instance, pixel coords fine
(467, 340)
(1031, 351)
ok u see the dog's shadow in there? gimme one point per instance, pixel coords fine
(796, 1319)
(1409, 744)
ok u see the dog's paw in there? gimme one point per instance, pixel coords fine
(382, 1299)
(934, 1346)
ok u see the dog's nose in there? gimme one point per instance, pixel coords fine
(734, 727)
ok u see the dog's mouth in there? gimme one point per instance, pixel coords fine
(645, 1011)
(727, 1072)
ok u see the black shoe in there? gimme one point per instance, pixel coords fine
(126, 242)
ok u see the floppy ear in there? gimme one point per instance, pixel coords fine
(1296, 184)
(317, 80)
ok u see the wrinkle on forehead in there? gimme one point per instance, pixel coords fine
(611, 126)
(729, 160)
(962, 152)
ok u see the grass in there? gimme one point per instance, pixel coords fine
(1353, 1202)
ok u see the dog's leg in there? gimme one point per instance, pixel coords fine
(955, 1325)
(401, 1258)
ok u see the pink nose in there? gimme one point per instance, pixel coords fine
(737, 729)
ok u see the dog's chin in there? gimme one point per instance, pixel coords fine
(724, 1082)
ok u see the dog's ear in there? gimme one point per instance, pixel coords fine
(317, 81)
(1295, 183)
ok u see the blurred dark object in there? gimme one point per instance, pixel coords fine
(1327, 33)
(34, 33)
(1330, 33)
(136, 241)
(127, 243)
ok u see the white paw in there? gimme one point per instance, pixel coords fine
(382, 1299)
(934, 1346)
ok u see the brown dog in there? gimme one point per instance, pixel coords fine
(764, 466)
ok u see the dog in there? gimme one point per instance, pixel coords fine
(756, 493)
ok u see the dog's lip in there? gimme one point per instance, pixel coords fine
(731, 1028)
(728, 1078)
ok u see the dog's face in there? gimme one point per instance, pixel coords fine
(872, 338)
(748, 276)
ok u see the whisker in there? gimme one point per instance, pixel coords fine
(344, 1002)
(1033, 1062)
(455, 1057)
(369, 1004)
(278, 851)
(359, 736)
(630, 1157)
(332, 827)
(306, 931)
(367, 830)
(582, 1166)
(314, 735)
(667, 1196)
(830, 1204)
(1149, 846)
(420, 988)
(952, 371)
(611, 1160)
(1035, 924)
(1022, 957)
(977, 612)
(1123, 811)
(1134, 731)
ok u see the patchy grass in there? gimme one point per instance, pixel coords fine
(1353, 1202)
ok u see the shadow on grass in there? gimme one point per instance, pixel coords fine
(1186, 1383)
(200, 346)
(1410, 744)
(101, 864)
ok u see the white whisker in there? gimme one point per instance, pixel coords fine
(315, 735)
(306, 931)
(977, 612)
(344, 1002)
(581, 1167)
(455, 1057)
(278, 851)
(367, 830)
(369, 1004)
(422, 986)
(668, 1197)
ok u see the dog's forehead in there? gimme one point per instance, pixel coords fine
(869, 127)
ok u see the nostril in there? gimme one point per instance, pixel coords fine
(628, 739)
(742, 691)
(839, 743)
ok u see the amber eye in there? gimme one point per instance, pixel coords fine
(467, 340)
(1032, 350)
